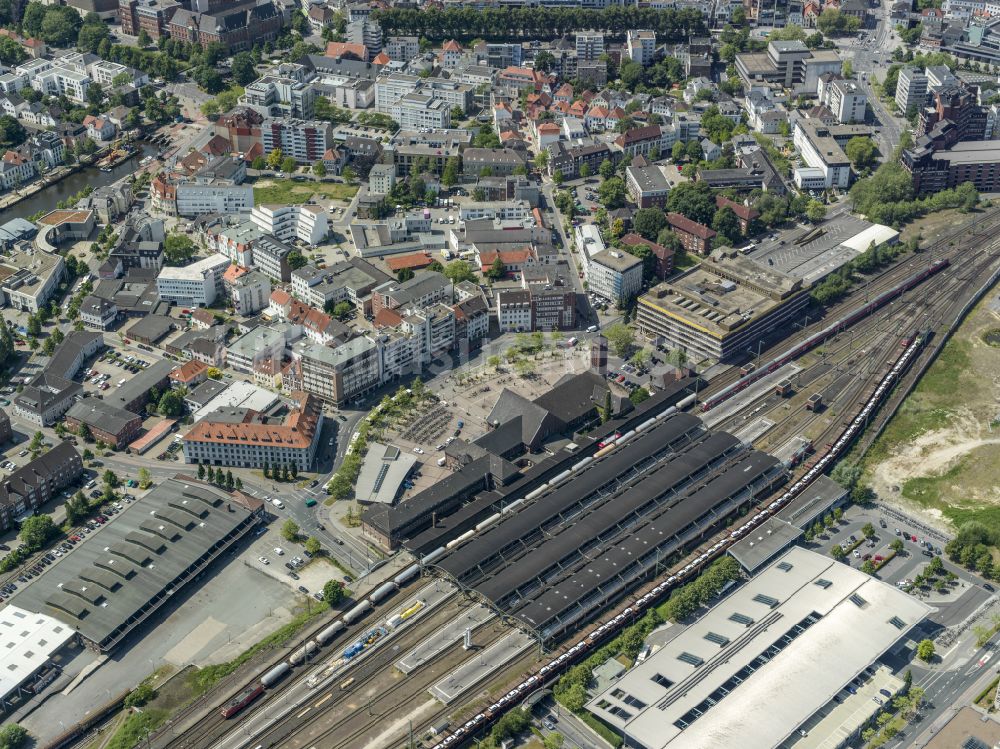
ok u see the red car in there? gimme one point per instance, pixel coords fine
(879, 557)
(75, 538)
(913, 538)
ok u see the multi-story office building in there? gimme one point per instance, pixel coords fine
(31, 277)
(647, 186)
(270, 255)
(308, 223)
(820, 150)
(640, 46)
(368, 33)
(283, 436)
(845, 99)
(417, 111)
(236, 25)
(151, 15)
(720, 309)
(513, 308)
(304, 140)
(975, 161)
(195, 285)
(615, 276)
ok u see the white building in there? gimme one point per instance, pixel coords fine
(249, 292)
(640, 45)
(195, 285)
(911, 89)
(615, 276)
(381, 179)
(31, 278)
(197, 198)
(786, 645)
(308, 223)
(845, 99)
(283, 93)
(416, 111)
(513, 309)
(589, 45)
(821, 151)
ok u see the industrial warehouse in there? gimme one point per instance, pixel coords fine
(108, 587)
(618, 520)
(787, 645)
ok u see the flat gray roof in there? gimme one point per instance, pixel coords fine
(812, 254)
(767, 540)
(110, 584)
(382, 473)
(762, 661)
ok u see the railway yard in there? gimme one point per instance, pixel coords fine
(657, 497)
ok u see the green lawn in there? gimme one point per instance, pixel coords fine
(286, 191)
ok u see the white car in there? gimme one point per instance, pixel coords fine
(279, 551)
(263, 560)
(418, 451)
(278, 503)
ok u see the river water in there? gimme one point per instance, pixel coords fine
(74, 183)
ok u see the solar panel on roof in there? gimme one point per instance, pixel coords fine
(720, 640)
(690, 658)
(784, 566)
(857, 600)
(739, 618)
(973, 743)
(823, 583)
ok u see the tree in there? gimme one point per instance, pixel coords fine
(868, 567)
(258, 163)
(458, 271)
(11, 53)
(274, 158)
(557, 175)
(606, 169)
(290, 530)
(266, 468)
(695, 200)
(312, 545)
(638, 395)
(91, 35)
(144, 40)
(925, 650)
(60, 26)
(815, 211)
(145, 478)
(178, 249)
(606, 410)
(348, 174)
(319, 169)
(34, 325)
(496, 270)
(333, 592)
(36, 531)
(584, 170)
(214, 373)
(288, 165)
(244, 68)
(229, 481)
(612, 193)
(171, 404)
(896, 545)
(869, 530)
(77, 507)
(296, 260)
(649, 222)
(12, 735)
(621, 337)
(452, 172)
(726, 224)
(140, 696)
(343, 309)
(862, 152)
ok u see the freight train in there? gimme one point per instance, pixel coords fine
(593, 640)
(751, 374)
(304, 653)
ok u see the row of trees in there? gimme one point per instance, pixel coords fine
(537, 23)
(284, 472)
(219, 477)
(887, 197)
(571, 689)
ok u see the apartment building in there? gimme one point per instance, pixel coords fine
(304, 140)
(349, 281)
(589, 45)
(845, 99)
(195, 285)
(513, 310)
(285, 435)
(249, 291)
(307, 223)
(262, 344)
(911, 90)
(423, 290)
(31, 486)
(270, 255)
(647, 186)
(820, 150)
(341, 374)
(107, 422)
(285, 92)
(615, 276)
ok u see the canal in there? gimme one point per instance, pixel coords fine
(48, 198)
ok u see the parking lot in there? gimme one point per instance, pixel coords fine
(905, 566)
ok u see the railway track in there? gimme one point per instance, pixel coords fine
(945, 247)
(363, 678)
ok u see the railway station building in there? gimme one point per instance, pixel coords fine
(786, 645)
(112, 584)
(721, 308)
(590, 537)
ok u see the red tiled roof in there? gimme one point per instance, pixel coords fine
(340, 49)
(413, 261)
(188, 371)
(280, 297)
(684, 224)
(744, 212)
(387, 318)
